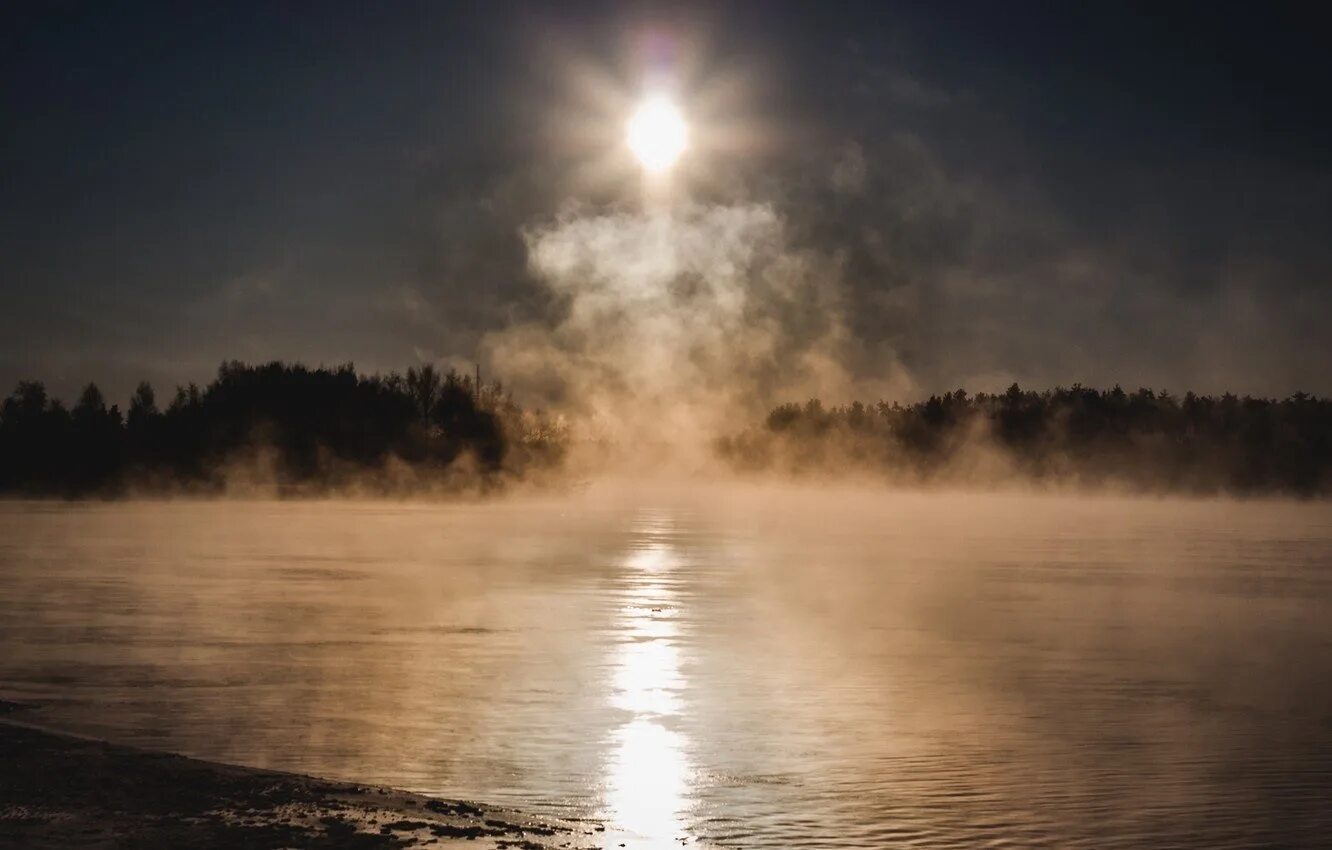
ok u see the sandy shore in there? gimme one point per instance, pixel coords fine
(59, 791)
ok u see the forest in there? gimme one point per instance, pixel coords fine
(288, 428)
(1144, 441)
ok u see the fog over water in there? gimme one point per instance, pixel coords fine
(741, 666)
(768, 473)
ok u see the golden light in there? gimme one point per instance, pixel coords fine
(649, 773)
(657, 133)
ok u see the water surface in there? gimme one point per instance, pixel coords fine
(735, 667)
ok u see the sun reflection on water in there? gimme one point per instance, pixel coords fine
(648, 770)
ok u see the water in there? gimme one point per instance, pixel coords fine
(735, 667)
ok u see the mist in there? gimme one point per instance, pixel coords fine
(640, 426)
(668, 325)
(900, 226)
(811, 658)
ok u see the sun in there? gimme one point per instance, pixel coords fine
(657, 134)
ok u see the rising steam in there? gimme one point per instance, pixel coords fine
(667, 324)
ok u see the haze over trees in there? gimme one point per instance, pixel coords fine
(297, 430)
(1142, 441)
(288, 426)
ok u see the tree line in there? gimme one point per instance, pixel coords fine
(1144, 440)
(306, 430)
(302, 429)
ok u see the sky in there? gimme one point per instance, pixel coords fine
(976, 193)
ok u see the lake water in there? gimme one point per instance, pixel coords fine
(738, 667)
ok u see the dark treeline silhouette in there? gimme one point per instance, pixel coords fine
(298, 429)
(1152, 441)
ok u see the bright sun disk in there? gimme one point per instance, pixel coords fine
(657, 134)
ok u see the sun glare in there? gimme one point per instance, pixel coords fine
(657, 134)
(649, 771)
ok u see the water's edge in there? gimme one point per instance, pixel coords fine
(59, 789)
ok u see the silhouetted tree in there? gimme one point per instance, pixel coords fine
(1144, 439)
(33, 436)
(318, 427)
(423, 384)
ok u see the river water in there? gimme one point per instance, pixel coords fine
(731, 666)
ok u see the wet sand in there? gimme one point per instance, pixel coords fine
(59, 791)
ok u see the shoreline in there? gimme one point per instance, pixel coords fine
(59, 790)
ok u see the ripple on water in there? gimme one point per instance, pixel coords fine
(811, 670)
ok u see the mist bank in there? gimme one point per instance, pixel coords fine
(278, 429)
(1078, 438)
(287, 430)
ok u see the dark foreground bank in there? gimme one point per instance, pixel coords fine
(58, 791)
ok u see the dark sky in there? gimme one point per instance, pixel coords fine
(1047, 193)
